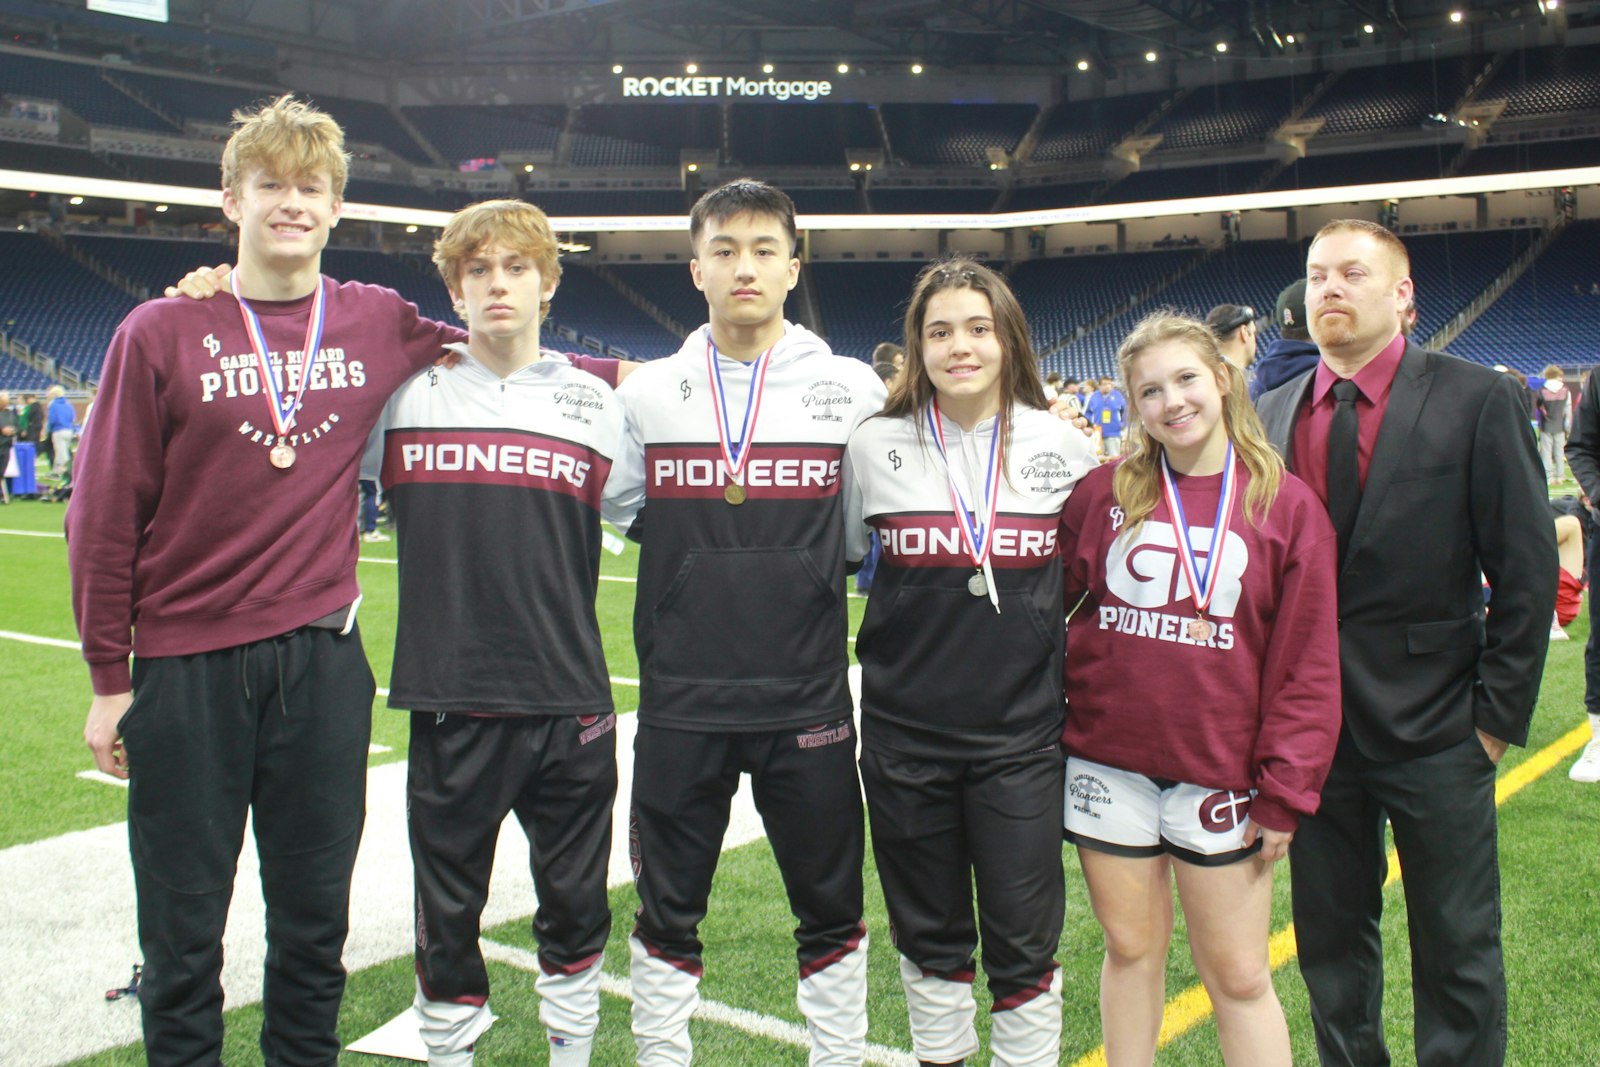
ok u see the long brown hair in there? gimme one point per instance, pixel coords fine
(1137, 482)
(1019, 366)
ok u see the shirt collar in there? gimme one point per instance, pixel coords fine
(1371, 380)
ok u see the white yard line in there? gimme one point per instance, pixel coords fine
(33, 533)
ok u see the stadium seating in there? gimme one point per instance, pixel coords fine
(1549, 315)
(955, 134)
(1542, 81)
(80, 88)
(666, 285)
(800, 134)
(1212, 180)
(1394, 96)
(638, 135)
(191, 98)
(463, 133)
(36, 281)
(1360, 168)
(968, 201)
(1230, 113)
(17, 377)
(1084, 129)
(1533, 155)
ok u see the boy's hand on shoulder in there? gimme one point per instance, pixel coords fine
(202, 283)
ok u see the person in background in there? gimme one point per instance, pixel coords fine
(8, 437)
(1293, 352)
(1107, 411)
(1553, 408)
(60, 419)
(1235, 327)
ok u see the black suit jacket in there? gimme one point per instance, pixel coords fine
(1454, 488)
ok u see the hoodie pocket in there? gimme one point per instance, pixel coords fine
(748, 615)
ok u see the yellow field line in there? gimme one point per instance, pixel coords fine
(1190, 1008)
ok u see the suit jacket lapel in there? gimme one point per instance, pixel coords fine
(1280, 425)
(1406, 395)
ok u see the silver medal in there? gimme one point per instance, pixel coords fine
(977, 586)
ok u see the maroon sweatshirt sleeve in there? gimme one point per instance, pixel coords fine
(117, 478)
(601, 367)
(1300, 696)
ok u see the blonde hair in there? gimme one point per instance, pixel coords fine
(514, 225)
(1137, 482)
(1019, 366)
(287, 138)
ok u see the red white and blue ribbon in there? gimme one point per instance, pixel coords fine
(283, 412)
(976, 531)
(736, 450)
(1202, 580)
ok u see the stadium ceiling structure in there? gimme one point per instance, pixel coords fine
(876, 36)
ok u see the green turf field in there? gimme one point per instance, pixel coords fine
(1550, 849)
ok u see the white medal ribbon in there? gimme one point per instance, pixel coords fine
(1202, 581)
(283, 414)
(977, 534)
(736, 451)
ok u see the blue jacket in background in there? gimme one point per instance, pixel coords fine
(61, 415)
(1107, 412)
(1283, 359)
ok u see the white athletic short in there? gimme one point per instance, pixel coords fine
(1129, 814)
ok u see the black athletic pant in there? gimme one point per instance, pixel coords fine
(559, 774)
(279, 729)
(1442, 809)
(938, 825)
(805, 787)
(1591, 651)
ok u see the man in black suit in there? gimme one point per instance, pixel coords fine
(1430, 475)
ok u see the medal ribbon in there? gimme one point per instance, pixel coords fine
(1202, 582)
(978, 535)
(736, 451)
(283, 415)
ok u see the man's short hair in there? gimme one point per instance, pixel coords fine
(1382, 234)
(886, 352)
(514, 225)
(885, 370)
(1226, 318)
(739, 197)
(287, 138)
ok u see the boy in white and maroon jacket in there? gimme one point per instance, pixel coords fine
(729, 478)
(212, 534)
(498, 653)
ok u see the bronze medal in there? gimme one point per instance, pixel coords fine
(734, 493)
(282, 456)
(1199, 631)
(977, 586)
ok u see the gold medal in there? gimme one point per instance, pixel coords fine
(977, 586)
(1199, 630)
(734, 493)
(282, 456)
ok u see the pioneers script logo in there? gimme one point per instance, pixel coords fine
(1086, 793)
(822, 398)
(575, 398)
(1047, 472)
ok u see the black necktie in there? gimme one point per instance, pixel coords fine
(1344, 463)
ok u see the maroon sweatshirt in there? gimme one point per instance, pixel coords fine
(1257, 706)
(180, 531)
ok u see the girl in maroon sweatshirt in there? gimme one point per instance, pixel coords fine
(1202, 686)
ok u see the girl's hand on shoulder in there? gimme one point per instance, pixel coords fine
(1274, 843)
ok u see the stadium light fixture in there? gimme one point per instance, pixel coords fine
(844, 68)
(1083, 64)
(1289, 37)
(1222, 46)
(693, 167)
(855, 166)
(692, 68)
(1455, 16)
(616, 68)
(1367, 27)
(1150, 56)
(411, 229)
(75, 201)
(766, 68)
(916, 68)
(161, 209)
